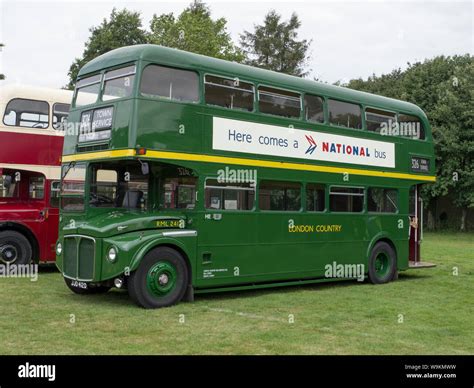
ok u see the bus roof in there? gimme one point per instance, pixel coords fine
(11, 91)
(178, 58)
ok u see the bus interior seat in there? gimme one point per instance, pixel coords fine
(132, 199)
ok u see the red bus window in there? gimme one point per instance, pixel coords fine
(36, 190)
(54, 195)
(8, 186)
(27, 113)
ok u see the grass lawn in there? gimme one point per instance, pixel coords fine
(337, 318)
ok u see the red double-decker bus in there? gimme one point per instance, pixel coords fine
(31, 141)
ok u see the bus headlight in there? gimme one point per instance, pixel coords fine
(59, 249)
(112, 254)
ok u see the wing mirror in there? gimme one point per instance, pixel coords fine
(145, 168)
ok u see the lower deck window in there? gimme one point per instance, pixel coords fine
(178, 193)
(118, 185)
(36, 190)
(283, 196)
(346, 199)
(229, 196)
(9, 188)
(382, 200)
(73, 187)
(315, 197)
(72, 204)
(54, 194)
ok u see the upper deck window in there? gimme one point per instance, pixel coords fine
(87, 90)
(175, 84)
(313, 108)
(377, 120)
(21, 112)
(279, 102)
(60, 113)
(118, 83)
(344, 114)
(229, 93)
(411, 126)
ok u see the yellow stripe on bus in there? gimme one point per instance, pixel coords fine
(243, 161)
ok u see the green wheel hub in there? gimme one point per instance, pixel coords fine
(161, 278)
(382, 264)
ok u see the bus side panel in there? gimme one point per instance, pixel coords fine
(262, 247)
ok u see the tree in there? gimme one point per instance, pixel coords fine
(388, 85)
(2, 76)
(444, 88)
(194, 30)
(453, 115)
(124, 28)
(275, 45)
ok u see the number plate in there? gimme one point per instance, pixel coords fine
(77, 284)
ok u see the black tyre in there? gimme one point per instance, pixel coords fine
(382, 263)
(14, 248)
(84, 288)
(161, 279)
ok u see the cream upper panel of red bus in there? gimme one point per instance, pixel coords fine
(51, 96)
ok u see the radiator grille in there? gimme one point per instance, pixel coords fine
(79, 257)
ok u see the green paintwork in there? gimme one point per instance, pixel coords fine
(161, 278)
(245, 248)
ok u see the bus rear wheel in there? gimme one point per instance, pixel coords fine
(161, 279)
(382, 263)
(14, 248)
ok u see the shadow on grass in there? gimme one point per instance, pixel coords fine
(48, 268)
(334, 285)
(113, 298)
(120, 298)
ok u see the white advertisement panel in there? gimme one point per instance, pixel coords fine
(264, 139)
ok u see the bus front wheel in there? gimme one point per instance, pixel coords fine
(14, 248)
(382, 263)
(160, 280)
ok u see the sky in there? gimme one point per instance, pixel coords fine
(350, 39)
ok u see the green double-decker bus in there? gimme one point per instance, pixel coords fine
(187, 174)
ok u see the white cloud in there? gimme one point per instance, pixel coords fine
(350, 38)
